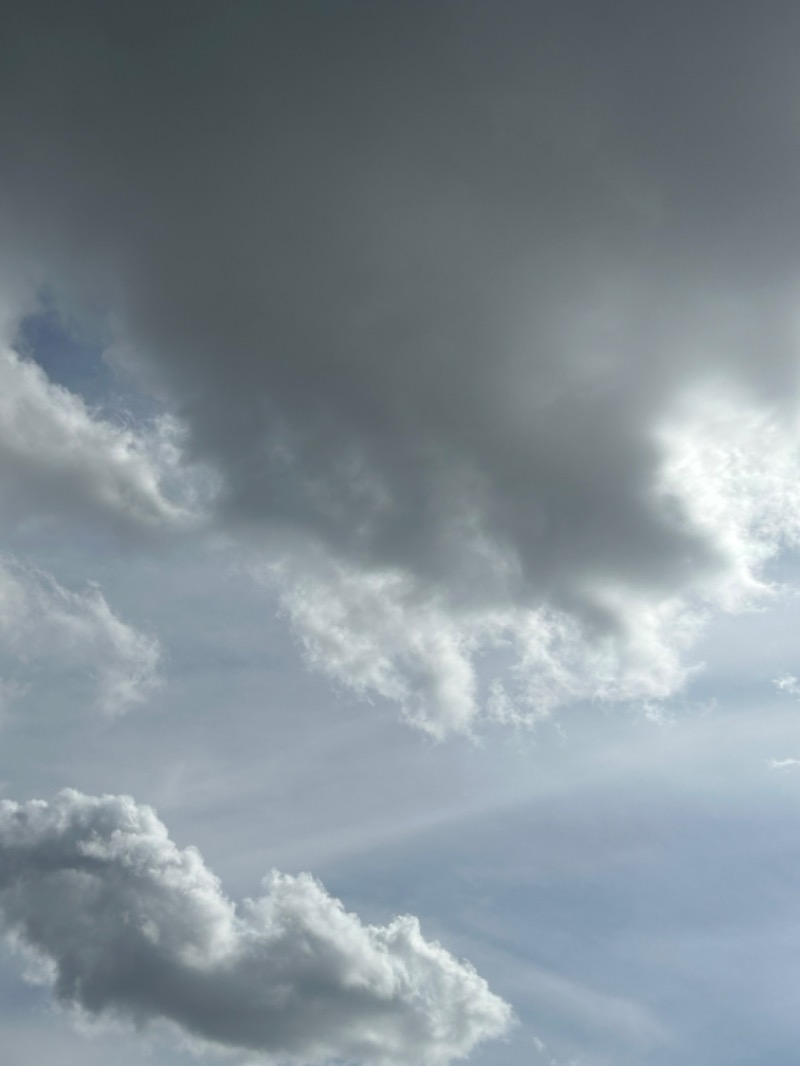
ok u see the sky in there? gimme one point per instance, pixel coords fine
(399, 570)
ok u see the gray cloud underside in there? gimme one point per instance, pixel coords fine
(430, 287)
(133, 926)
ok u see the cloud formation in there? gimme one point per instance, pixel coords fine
(44, 623)
(133, 926)
(434, 292)
(59, 458)
(788, 684)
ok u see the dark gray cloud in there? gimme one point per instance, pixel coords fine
(429, 286)
(132, 926)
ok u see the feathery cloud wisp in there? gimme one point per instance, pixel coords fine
(44, 623)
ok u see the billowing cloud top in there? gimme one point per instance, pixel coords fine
(133, 926)
(464, 316)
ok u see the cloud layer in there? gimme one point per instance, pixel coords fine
(131, 925)
(429, 291)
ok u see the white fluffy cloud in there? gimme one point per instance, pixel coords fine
(57, 629)
(131, 925)
(447, 671)
(784, 764)
(58, 457)
(788, 684)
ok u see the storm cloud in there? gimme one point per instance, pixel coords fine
(133, 926)
(470, 309)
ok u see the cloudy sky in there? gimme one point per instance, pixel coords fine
(399, 571)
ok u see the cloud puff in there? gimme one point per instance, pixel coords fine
(788, 684)
(132, 925)
(783, 764)
(429, 290)
(42, 622)
(59, 458)
(379, 634)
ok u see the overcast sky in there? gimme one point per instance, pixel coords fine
(400, 480)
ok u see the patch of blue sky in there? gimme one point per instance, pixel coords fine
(71, 349)
(627, 923)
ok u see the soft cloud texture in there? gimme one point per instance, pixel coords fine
(130, 925)
(788, 684)
(466, 334)
(433, 292)
(58, 457)
(783, 764)
(45, 625)
(377, 633)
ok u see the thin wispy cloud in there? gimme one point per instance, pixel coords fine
(46, 629)
(788, 684)
(783, 764)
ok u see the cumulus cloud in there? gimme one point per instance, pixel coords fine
(503, 333)
(131, 925)
(59, 458)
(379, 634)
(43, 623)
